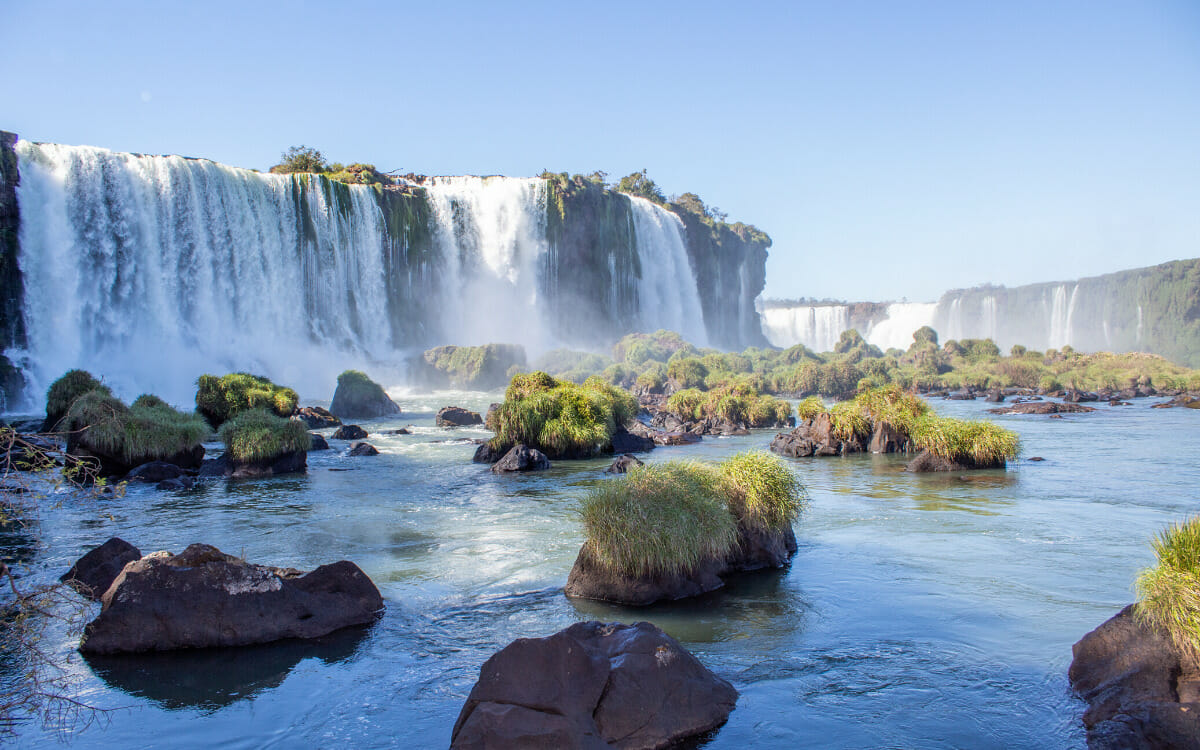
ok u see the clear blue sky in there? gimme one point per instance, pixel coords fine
(892, 149)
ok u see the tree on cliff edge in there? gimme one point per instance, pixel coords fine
(301, 159)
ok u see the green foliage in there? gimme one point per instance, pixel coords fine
(891, 406)
(768, 411)
(65, 390)
(640, 184)
(300, 159)
(356, 387)
(358, 174)
(981, 443)
(850, 339)
(562, 419)
(925, 335)
(219, 399)
(687, 372)
(847, 421)
(259, 435)
(637, 349)
(1169, 593)
(652, 378)
(686, 403)
(481, 367)
(147, 431)
(810, 408)
(761, 490)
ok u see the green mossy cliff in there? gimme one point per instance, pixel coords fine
(12, 322)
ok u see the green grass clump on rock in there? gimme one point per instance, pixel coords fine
(892, 406)
(659, 519)
(965, 441)
(1169, 593)
(259, 435)
(219, 399)
(560, 418)
(810, 408)
(761, 490)
(149, 430)
(65, 390)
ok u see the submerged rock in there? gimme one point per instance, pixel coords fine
(155, 471)
(456, 416)
(622, 464)
(363, 449)
(319, 443)
(92, 574)
(202, 598)
(926, 462)
(288, 463)
(350, 432)
(520, 458)
(1042, 407)
(1141, 692)
(593, 685)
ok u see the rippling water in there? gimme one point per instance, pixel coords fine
(920, 611)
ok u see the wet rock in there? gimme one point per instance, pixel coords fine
(963, 395)
(350, 432)
(1141, 692)
(622, 464)
(814, 437)
(1076, 397)
(401, 431)
(456, 416)
(92, 574)
(521, 458)
(363, 449)
(154, 472)
(319, 443)
(759, 549)
(316, 418)
(589, 579)
(289, 463)
(486, 454)
(359, 397)
(927, 461)
(1043, 407)
(179, 483)
(1036, 458)
(887, 439)
(995, 397)
(593, 685)
(624, 441)
(676, 438)
(204, 598)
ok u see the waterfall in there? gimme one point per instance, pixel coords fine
(816, 326)
(667, 293)
(1062, 311)
(155, 269)
(903, 318)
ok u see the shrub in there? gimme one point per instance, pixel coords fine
(848, 421)
(147, 431)
(975, 442)
(562, 419)
(65, 390)
(761, 491)
(689, 372)
(259, 435)
(892, 407)
(660, 518)
(686, 404)
(219, 399)
(1169, 593)
(768, 411)
(810, 408)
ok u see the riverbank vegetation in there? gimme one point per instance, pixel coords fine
(1169, 592)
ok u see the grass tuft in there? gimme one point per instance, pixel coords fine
(64, 391)
(810, 408)
(761, 490)
(259, 435)
(219, 399)
(561, 418)
(978, 442)
(149, 430)
(847, 421)
(1169, 593)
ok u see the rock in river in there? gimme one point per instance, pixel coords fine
(93, 573)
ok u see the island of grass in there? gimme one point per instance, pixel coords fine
(676, 529)
(63, 392)
(259, 443)
(887, 419)
(112, 438)
(561, 419)
(219, 399)
(1140, 670)
(359, 397)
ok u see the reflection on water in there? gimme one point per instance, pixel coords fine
(933, 611)
(210, 678)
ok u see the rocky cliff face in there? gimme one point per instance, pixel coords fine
(12, 322)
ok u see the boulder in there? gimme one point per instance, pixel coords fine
(1042, 407)
(92, 574)
(319, 443)
(995, 397)
(204, 598)
(178, 483)
(456, 416)
(486, 454)
(350, 432)
(154, 472)
(363, 449)
(401, 431)
(676, 438)
(316, 418)
(359, 397)
(622, 464)
(1076, 397)
(887, 439)
(758, 549)
(520, 458)
(593, 685)
(624, 441)
(814, 437)
(1141, 692)
(288, 463)
(589, 579)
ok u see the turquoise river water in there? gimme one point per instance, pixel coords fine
(933, 611)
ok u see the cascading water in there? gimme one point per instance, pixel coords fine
(816, 326)
(154, 269)
(903, 319)
(667, 293)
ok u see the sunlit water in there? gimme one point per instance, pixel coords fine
(920, 611)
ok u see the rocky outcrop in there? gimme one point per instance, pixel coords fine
(203, 598)
(316, 418)
(486, 453)
(456, 416)
(1141, 693)
(624, 441)
(815, 437)
(359, 397)
(349, 432)
(12, 288)
(231, 468)
(319, 443)
(110, 465)
(363, 449)
(622, 464)
(92, 574)
(658, 437)
(1042, 407)
(593, 685)
(520, 458)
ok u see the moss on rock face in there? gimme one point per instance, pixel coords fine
(359, 397)
(219, 399)
(474, 367)
(259, 435)
(560, 418)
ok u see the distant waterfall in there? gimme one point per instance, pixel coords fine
(903, 319)
(667, 294)
(816, 326)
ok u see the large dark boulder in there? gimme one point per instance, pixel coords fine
(92, 574)
(359, 397)
(456, 416)
(203, 598)
(319, 443)
(316, 418)
(363, 449)
(349, 432)
(154, 472)
(521, 458)
(593, 685)
(815, 437)
(887, 439)
(289, 463)
(624, 441)
(487, 454)
(758, 549)
(589, 579)
(1141, 692)
(623, 463)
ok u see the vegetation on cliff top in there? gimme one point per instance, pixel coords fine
(1169, 592)
(305, 159)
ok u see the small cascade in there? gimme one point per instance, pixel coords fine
(1062, 310)
(667, 293)
(816, 326)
